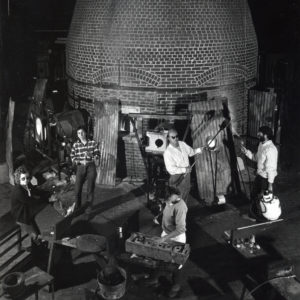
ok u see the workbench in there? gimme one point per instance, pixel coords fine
(274, 275)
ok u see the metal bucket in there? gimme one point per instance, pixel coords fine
(13, 284)
(111, 292)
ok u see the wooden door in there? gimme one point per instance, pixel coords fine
(213, 168)
(262, 111)
(106, 134)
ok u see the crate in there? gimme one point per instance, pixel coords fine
(147, 246)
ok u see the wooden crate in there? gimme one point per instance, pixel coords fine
(147, 246)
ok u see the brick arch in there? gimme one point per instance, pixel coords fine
(127, 72)
(232, 69)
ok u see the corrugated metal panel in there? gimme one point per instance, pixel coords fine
(262, 107)
(211, 166)
(40, 89)
(36, 106)
(106, 134)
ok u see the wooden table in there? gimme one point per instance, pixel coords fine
(287, 288)
(87, 243)
(284, 286)
(35, 279)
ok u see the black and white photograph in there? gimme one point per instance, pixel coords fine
(149, 149)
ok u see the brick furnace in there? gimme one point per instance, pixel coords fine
(158, 56)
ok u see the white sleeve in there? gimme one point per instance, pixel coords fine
(190, 151)
(271, 164)
(198, 150)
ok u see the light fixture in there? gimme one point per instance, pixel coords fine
(39, 129)
(211, 143)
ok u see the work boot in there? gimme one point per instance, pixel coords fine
(174, 291)
(251, 214)
(255, 214)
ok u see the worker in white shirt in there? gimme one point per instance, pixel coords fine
(176, 158)
(266, 158)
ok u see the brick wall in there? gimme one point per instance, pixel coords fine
(159, 55)
(172, 102)
(160, 43)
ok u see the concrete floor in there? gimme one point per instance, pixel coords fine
(214, 269)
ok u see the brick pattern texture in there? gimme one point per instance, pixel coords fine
(158, 54)
(160, 45)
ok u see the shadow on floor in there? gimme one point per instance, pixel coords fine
(118, 200)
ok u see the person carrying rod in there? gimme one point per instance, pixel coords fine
(176, 158)
(266, 158)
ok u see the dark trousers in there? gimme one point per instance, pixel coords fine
(85, 172)
(183, 183)
(260, 184)
(176, 277)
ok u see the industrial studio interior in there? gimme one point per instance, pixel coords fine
(149, 149)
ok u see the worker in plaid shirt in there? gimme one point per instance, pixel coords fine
(84, 153)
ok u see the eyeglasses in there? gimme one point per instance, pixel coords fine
(174, 137)
(23, 178)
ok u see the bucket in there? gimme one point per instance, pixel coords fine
(13, 284)
(110, 291)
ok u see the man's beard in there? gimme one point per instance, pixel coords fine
(261, 139)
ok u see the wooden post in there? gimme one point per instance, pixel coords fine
(208, 116)
(9, 148)
(106, 134)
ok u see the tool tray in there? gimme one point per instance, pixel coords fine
(148, 246)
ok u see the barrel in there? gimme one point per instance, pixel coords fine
(13, 284)
(111, 292)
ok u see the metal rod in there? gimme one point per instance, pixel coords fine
(212, 173)
(211, 140)
(44, 155)
(216, 174)
(160, 116)
(214, 137)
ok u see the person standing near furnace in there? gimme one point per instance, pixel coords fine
(266, 158)
(176, 158)
(173, 230)
(84, 153)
